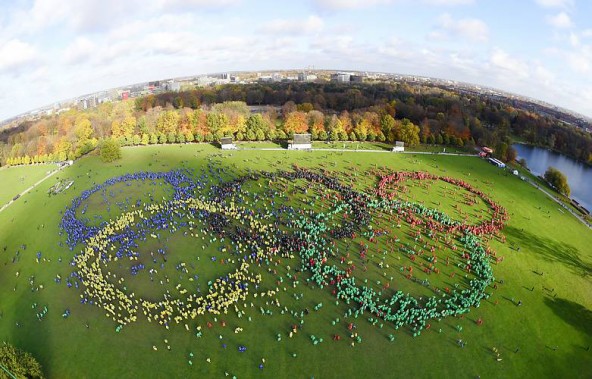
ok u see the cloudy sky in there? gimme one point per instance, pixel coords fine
(55, 49)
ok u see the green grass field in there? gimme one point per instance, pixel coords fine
(17, 179)
(547, 266)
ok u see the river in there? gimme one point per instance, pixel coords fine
(579, 176)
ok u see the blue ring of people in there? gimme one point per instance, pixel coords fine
(260, 229)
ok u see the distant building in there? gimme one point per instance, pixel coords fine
(83, 104)
(356, 78)
(304, 77)
(399, 146)
(341, 77)
(300, 142)
(88, 102)
(173, 86)
(226, 143)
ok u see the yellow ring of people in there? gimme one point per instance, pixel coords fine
(124, 307)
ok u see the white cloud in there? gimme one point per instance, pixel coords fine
(350, 4)
(396, 48)
(168, 4)
(333, 43)
(510, 68)
(448, 2)
(92, 15)
(15, 53)
(358, 4)
(312, 24)
(574, 40)
(51, 50)
(580, 60)
(573, 50)
(80, 50)
(472, 29)
(561, 20)
(544, 76)
(554, 3)
(101, 15)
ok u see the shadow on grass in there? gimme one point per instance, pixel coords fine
(381, 146)
(550, 250)
(574, 314)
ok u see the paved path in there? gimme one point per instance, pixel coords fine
(360, 151)
(32, 187)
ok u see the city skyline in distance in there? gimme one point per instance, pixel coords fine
(133, 90)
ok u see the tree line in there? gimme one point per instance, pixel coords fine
(362, 112)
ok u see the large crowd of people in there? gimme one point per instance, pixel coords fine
(260, 229)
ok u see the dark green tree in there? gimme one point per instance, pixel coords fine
(110, 150)
(256, 122)
(171, 137)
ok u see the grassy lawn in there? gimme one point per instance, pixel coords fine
(258, 145)
(547, 266)
(17, 179)
(440, 149)
(352, 145)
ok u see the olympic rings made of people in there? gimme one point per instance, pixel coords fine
(311, 238)
(401, 309)
(77, 230)
(498, 217)
(123, 307)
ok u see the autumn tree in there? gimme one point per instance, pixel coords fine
(168, 121)
(236, 114)
(288, 107)
(316, 122)
(557, 180)
(334, 130)
(83, 129)
(62, 148)
(128, 126)
(19, 363)
(296, 123)
(408, 133)
(362, 127)
(198, 122)
(346, 121)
